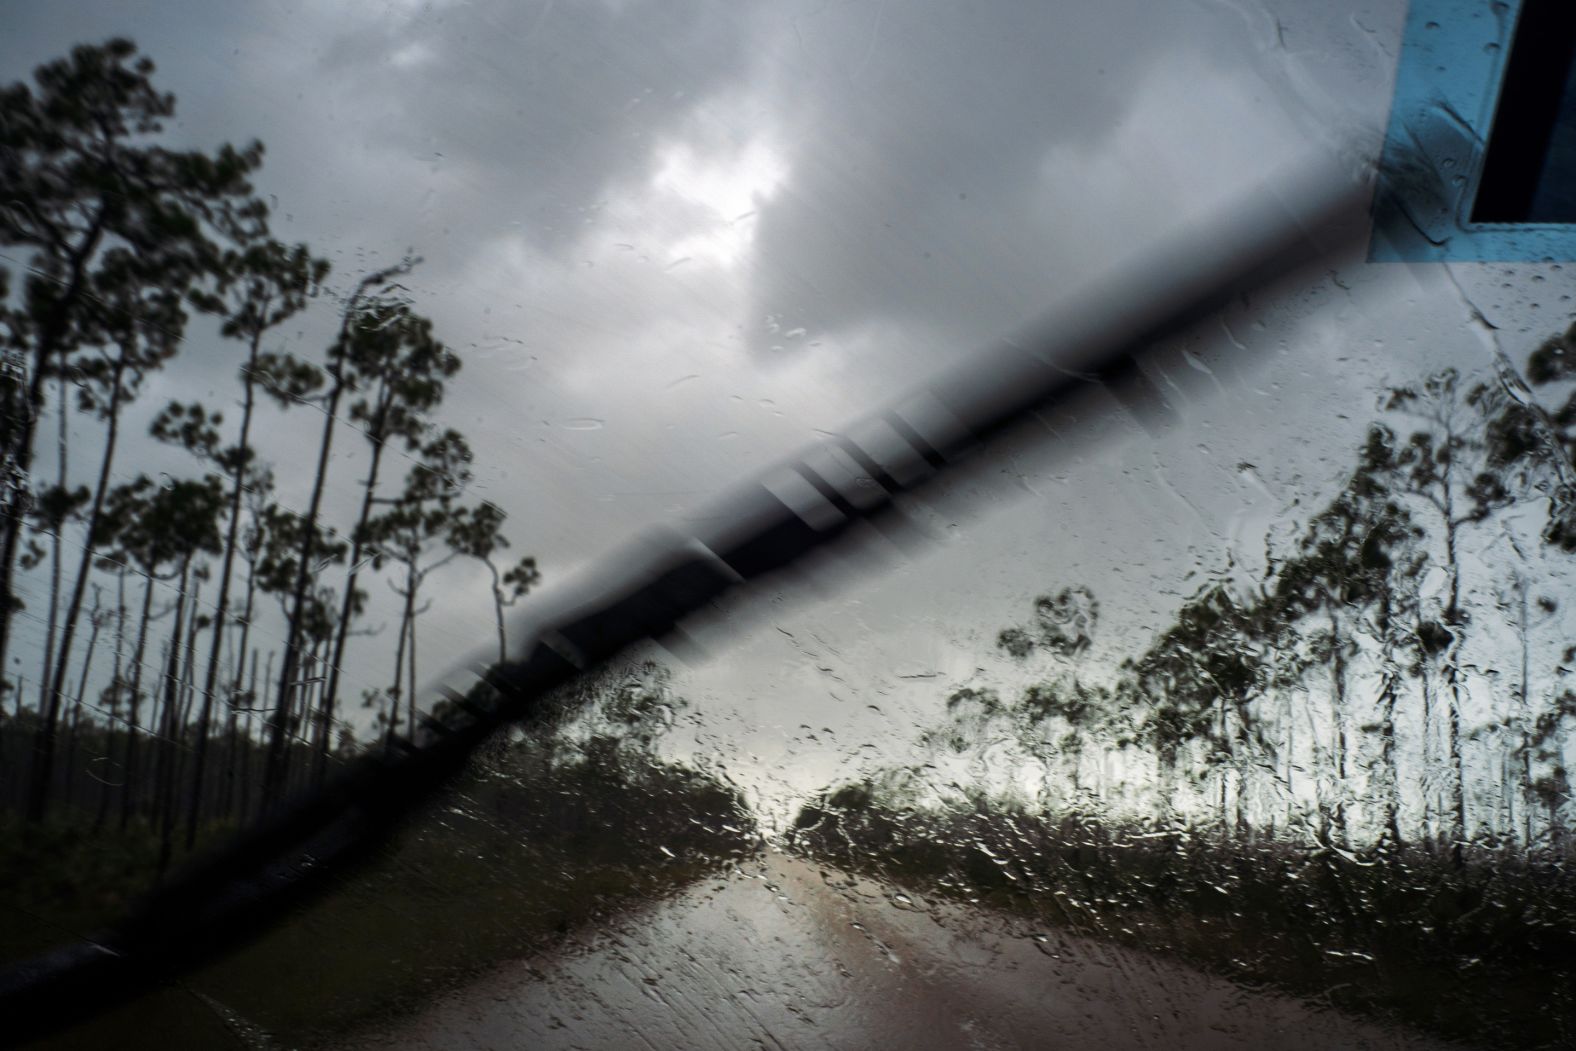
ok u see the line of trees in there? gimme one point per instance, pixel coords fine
(225, 613)
(1396, 677)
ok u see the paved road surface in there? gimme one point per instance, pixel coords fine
(786, 956)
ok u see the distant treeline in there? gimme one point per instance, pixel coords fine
(1484, 953)
(1345, 773)
(1397, 672)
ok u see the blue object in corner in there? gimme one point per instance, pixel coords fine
(1453, 62)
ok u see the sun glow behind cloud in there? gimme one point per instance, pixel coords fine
(728, 190)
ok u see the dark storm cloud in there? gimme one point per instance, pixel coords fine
(537, 110)
(917, 191)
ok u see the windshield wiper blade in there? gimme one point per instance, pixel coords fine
(297, 851)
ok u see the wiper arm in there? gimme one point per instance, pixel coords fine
(291, 855)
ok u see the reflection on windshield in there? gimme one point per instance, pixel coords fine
(1222, 705)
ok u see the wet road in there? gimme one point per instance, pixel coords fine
(788, 956)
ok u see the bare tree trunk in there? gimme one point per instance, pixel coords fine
(95, 618)
(498, 604)
(221, 609)
(276, 742)
(1524, 706)
(70, 768)
(226, 794)
(57, 558)
(301, 723)
(44, 754)
(251, 741)
(246, 632)
(1387, 758)
(165, 773)
(415, 582)
(1430, 833)
(115, 694)
(1338, 732)
(347, 605)
(1291, 762)
(51, 338)
(399, 666)
(132, 789)
(188, 696)
(1225, 767)
(1458, 797)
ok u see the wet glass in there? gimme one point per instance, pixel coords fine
(1218, 696)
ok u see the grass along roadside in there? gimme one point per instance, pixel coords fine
(1485, 953)
(500, 868)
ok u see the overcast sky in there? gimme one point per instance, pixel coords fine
(674, 242)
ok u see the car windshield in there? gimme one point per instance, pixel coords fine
(618, 524)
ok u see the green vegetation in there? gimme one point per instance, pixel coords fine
(1344, 773)
(1484, 953)
(529, 847)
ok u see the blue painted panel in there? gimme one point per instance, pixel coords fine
(1453, 59)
